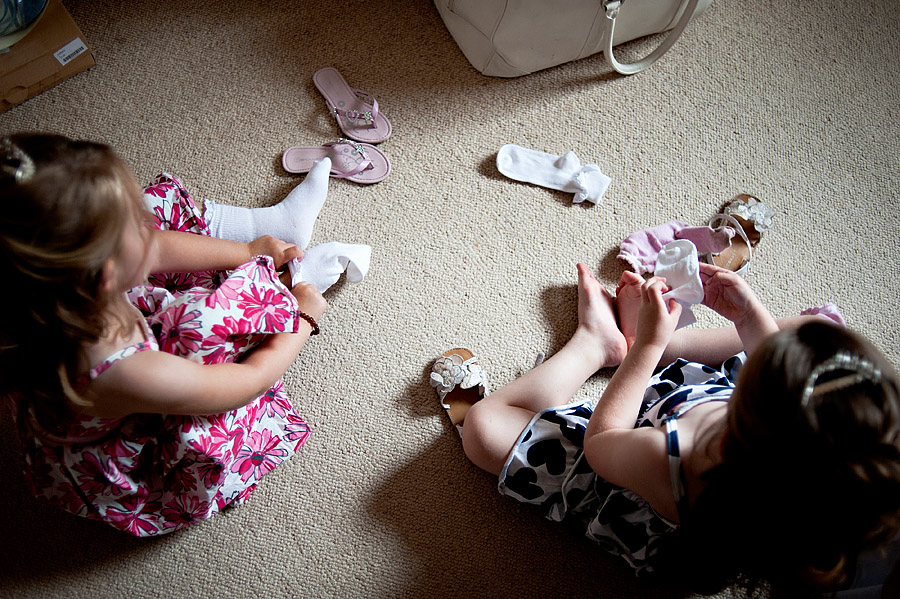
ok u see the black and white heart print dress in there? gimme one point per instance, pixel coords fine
(547, 467)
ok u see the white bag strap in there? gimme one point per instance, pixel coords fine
(612, 11)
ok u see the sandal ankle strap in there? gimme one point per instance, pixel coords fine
(722, 219)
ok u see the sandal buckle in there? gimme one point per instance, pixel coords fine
(359, 149)
(355, 115)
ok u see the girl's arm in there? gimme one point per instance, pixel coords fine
(714, 346)
(728, 293)
(619, 453)
(160, 383)
(621, 400)
(177, 251)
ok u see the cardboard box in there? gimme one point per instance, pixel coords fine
(52, 51)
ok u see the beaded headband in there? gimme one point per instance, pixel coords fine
(861, 369)
(15, 161)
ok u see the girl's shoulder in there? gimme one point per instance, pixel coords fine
(106, 353)
(662, 464)
(113, 347)
(699, 439)
(120, 354)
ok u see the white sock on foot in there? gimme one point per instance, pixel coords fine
(290, 220)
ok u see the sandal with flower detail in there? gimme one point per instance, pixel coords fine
(357, 162)
(750, 218)
(459, 381)
(356, 111)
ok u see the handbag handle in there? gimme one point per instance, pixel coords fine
(612, 11)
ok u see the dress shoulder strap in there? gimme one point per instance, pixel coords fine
(676, 472)
(149, 344)
(120, 355)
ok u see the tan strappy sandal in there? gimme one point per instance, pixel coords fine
(460, 382)
(750, 218)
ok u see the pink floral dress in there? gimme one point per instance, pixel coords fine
(149, 474)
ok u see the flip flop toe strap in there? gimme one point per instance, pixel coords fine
(359, 115)
(363, 165)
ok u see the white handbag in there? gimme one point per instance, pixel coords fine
(509, 38)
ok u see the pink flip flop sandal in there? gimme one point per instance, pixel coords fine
(357, 162)
(356, 111)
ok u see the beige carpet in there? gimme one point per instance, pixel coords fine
(797, 102)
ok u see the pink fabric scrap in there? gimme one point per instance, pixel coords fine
(827, 310)
(640, 249)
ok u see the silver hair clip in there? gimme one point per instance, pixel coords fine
(16, 162)
(861, 369)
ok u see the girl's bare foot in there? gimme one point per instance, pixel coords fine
(597, 320)
(628, 301)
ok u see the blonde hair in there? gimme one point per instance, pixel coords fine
(62, 220)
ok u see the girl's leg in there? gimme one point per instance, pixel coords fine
(706, 346)
(493, 425)
(714, 346)
(290, 220)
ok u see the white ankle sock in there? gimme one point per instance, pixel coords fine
(564, 173)
(679, 263)
(290, 220)
(323, 264)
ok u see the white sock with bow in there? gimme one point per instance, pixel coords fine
(290, 220)
(564, 173)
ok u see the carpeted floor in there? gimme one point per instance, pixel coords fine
(794, 101)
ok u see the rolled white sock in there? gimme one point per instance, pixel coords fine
(323, 264)
(565, 173)
(290, 220)
(679, 264)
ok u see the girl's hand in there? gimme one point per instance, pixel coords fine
(310, 300)
(727, 293)
(280, 251)
(657, 318)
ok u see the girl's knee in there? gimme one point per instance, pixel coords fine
(475, 432)
(488, 435)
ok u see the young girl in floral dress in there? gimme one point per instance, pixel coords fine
(125, 348)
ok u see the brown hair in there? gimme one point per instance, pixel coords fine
(802, 489)
(65, 205)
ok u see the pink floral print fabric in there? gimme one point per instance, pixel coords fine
(149, 474)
